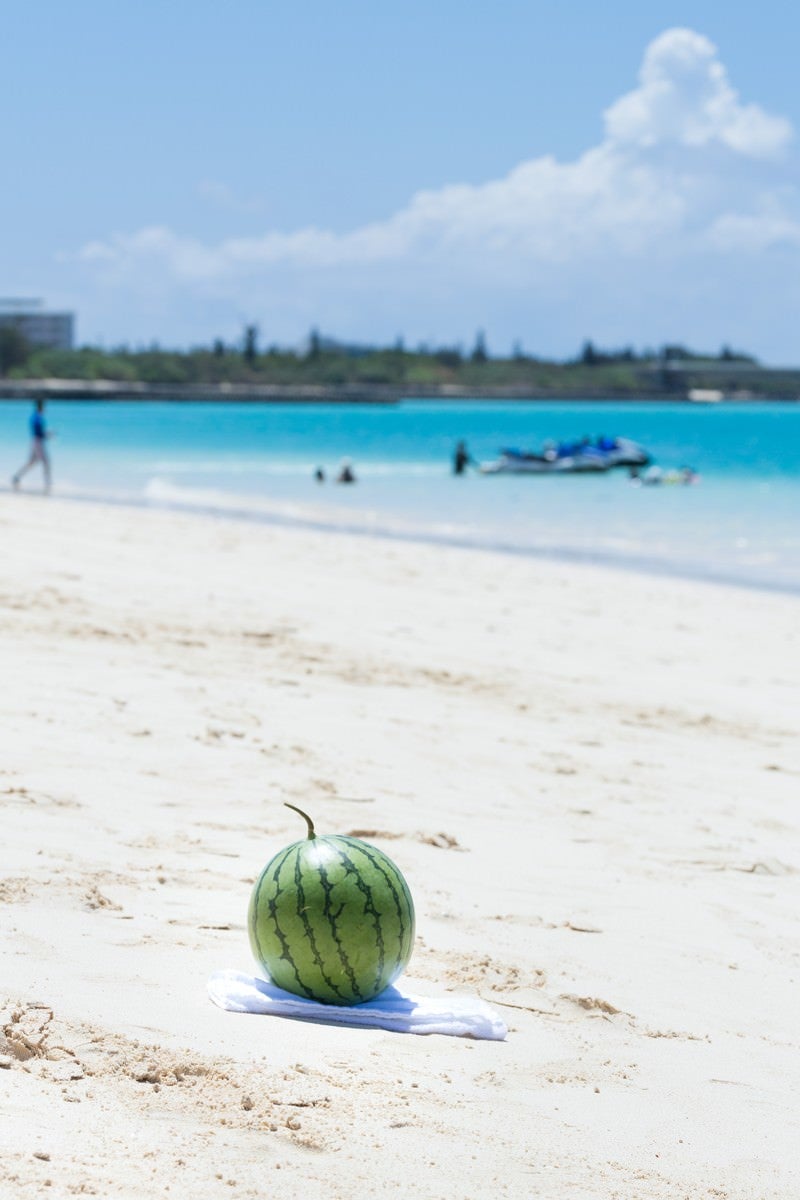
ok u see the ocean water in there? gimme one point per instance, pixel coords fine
(739, 523)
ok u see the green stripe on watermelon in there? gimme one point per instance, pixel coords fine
(263, 920)
(398, 889)
(308, 925)
(369, 910)
(328, 914)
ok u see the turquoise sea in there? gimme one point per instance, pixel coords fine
(740, 522)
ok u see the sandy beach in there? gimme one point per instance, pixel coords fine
(588, 777)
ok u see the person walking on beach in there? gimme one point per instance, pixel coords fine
(39, 436)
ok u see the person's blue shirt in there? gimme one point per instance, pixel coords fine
(37, 426)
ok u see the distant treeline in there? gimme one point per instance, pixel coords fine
(323, 361)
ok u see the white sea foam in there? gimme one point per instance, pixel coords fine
(292, 468)
(164, 492)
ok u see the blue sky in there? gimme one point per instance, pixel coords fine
(172, 171)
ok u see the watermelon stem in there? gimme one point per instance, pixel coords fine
(306, 818)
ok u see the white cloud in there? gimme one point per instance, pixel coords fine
(684, 97)
(755, 233)
(657, 189)
(542, 210)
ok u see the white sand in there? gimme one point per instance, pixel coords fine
(590, 780)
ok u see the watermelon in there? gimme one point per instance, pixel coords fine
(331, 918)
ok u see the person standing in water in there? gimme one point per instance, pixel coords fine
(39, 436)
(462, 459)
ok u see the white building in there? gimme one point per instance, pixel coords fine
(52, 330)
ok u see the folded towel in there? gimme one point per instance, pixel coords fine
(395, 1009)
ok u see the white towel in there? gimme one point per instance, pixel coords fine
(395, 1009)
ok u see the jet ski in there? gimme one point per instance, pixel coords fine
(569, 458)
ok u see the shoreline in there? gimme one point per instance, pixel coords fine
(638, 566)
(96, 391)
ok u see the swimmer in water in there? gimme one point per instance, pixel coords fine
(346, 472)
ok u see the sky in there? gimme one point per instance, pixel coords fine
(545, 172)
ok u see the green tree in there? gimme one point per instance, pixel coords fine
(479, 352)
(250, 344)
(588, 354)
(449, 356)
(14, 348)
